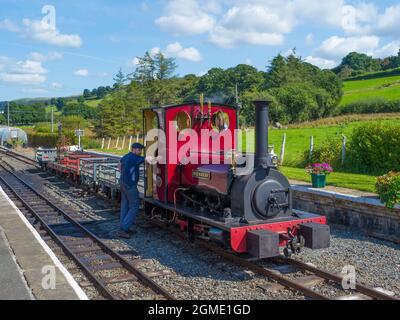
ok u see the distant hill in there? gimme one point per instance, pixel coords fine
(383, 84)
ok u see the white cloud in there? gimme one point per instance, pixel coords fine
(22, 79)
(133, 62)
(267, 22)
(389, 22)
(56, 85)
(248, 61)
(176, 50)
(155, 51)
(29, 67)
(390, 49)
(321, 63)
(309, 39)
(226, 38)
(25, 72)
(185, 17)
(337, 47)
(37, 56)
(7, 24)
(81, 72)
(45, 33)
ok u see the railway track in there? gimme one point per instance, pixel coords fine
(286, 281)
(18, 156)
(105, 268)
(361, 292)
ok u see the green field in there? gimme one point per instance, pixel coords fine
(338, 179)
(298, 139)
(382, 87)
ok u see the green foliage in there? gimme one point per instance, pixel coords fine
(304, 91)
(220, 85)
(373, 105)
(328, 152)
(247, 114)
(355, 64)
(79, 109)
(3, 120)
(375, 147)
(388, 188)
(90, 143)
(120, 113)
(371, 88)
(46, 140)
(73, 122)
(26, 114)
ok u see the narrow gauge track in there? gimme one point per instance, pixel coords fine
(289, 283)
(18, 156)
(91, 254)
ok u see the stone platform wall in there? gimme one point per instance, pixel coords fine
(364, 213)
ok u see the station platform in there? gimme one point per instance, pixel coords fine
(28, 267)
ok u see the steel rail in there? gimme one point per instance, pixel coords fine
(284, 281)
(125, 263)
(95, 280)
(370, 292)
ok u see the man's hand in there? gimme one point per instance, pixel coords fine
(152, 160)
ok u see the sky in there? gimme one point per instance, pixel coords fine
(59, 48)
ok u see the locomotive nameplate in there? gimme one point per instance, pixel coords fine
(201, 175)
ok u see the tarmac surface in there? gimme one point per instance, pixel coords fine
(29, 270)
(12, 283)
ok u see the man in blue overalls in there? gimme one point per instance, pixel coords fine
(130, 200)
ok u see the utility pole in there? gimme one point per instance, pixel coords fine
(52, 119)
(236, 94)
(8, 113)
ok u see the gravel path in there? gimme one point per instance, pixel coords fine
(377, 263)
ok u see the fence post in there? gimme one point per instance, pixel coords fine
(123, 143)
(109, 144)
(116, 145)
(344, 142)
(137, 138)
(102, 143)
(283, 148)
(311, 147)
(130, 142)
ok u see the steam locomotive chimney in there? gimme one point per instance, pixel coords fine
(261, 134)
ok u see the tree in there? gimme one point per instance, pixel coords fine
(119, 79)
(60, 103)
(164, 67)
(86, 93)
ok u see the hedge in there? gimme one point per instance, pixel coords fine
(375, 147)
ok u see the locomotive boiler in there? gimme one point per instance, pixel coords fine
(249, 211)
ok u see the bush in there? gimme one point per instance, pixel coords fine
(90, 143)
(329, 152)
(388, 188)
(46, 140)
(373, 105)
(375, 147)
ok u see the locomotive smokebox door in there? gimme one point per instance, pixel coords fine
(263, 244)
(317, 236)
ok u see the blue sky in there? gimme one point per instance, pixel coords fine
(88, 41)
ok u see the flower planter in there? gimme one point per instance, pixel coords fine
(318, 180)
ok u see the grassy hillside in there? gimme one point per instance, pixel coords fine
(298, 138)
(383, 84)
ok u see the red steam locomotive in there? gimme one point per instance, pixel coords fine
(201, 184)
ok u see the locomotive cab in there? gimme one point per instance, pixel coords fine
(197, 184)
